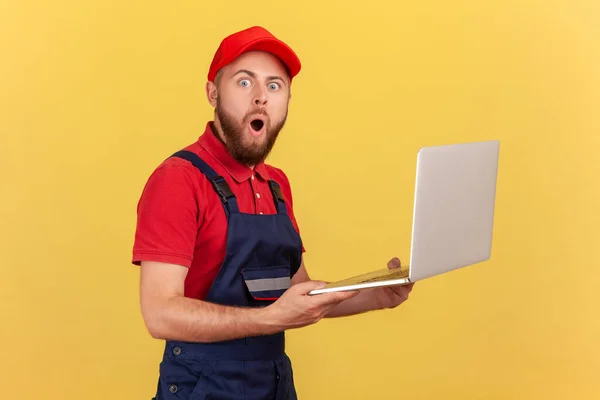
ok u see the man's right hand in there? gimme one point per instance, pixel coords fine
(296, 308)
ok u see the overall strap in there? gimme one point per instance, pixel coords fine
(218, 182)
(277, 197)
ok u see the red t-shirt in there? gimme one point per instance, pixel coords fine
(181, 219)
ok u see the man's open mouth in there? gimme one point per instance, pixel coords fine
(257, 124)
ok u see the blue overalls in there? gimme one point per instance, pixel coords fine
(263, 253)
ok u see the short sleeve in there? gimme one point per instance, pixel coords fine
(167, 217)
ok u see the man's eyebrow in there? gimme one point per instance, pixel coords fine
(245, 71)
(253, 75)
(275, 77)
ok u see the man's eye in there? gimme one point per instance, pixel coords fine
(245, 82)
(273, 86)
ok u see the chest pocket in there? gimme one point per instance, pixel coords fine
(267, 283)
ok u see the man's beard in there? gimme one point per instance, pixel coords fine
(247, 153)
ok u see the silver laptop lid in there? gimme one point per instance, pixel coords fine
(453, 212)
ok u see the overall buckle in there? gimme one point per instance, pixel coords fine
(276, 190)
(222, 188)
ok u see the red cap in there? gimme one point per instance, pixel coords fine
(255, 38)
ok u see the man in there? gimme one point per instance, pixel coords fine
(222, 275)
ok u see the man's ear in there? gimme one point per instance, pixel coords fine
(211, 93)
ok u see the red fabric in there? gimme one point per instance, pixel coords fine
(181, 220)
(255, 38)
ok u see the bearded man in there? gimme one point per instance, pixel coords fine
(221, 258)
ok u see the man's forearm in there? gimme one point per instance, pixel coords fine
(361, 303)
(185, 319)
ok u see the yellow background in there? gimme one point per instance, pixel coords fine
(94, 94)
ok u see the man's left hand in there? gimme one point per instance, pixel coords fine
(392, 296)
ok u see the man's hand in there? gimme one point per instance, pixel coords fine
(391, 296)
(296, 308)
(374, 298)
(169, 315)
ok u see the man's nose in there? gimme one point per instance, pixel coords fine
(260, 97)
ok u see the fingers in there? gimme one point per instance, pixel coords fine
(394, 263)
(345, 295)
(403, 290)
(334, 297)
(306, 287)
(325, 298)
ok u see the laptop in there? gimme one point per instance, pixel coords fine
(453, 215)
